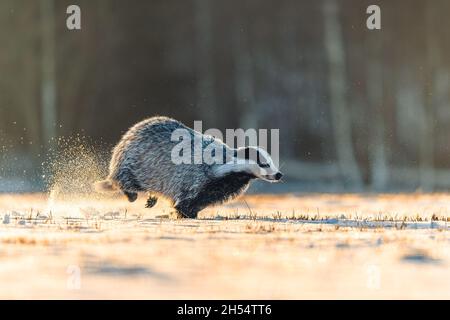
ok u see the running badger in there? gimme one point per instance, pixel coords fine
(143, 161)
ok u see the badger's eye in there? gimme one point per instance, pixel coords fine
(264, 165)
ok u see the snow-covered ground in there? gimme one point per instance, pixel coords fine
(271, 246)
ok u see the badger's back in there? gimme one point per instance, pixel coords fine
(142, 161)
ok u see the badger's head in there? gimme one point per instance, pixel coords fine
(254, 161)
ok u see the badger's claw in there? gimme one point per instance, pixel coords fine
(151, 201)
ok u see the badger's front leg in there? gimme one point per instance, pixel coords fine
(187, 208)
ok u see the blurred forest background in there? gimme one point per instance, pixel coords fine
(357, 109)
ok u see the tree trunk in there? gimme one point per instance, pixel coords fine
(426, 137)
(341, 115)
(206, 97)
(48, 81)
(244, 84)
(377, 147)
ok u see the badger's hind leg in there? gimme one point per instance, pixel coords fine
(132, 196)
(151, 201)
(128, 183)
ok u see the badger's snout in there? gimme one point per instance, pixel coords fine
(274, 177)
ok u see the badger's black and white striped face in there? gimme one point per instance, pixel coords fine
(252, 160)
(257, 161)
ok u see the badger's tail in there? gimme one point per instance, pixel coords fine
(105, 186)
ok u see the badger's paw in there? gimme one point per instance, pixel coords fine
(131, 196)
(175, 215)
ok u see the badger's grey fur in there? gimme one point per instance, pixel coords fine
(141, 161)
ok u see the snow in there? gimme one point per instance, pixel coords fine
(288, 246)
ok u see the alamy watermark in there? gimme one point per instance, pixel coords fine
(73, 21)
(373, 281)
(374, 20)
(74, 277)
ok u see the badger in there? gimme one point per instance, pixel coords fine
(143, 161)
